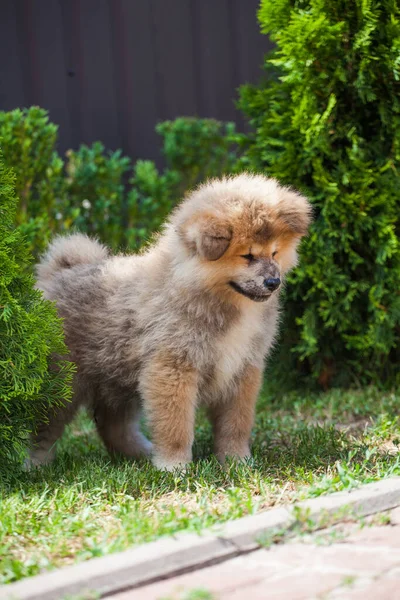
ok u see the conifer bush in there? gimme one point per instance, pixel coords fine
(28, 142)
(327, 120)
(30, 333)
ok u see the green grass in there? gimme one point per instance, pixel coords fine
(88, 505)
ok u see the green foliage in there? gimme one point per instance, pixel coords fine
(194, 150)
(151, 198)
(92, 192)
(95, 192)
(28, 142)
(298, 450)
(330, 125)
(29, 333)
(198, 148)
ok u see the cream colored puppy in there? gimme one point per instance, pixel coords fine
(187, 322)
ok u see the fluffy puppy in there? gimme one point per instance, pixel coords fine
(189, 321)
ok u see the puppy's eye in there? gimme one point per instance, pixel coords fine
(248, 257)
(274, 253)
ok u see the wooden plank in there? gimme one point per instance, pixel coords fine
(47, 63)
(251, 44)
(111, 69)
(71, 32)
(214, 58)
(136, 88)
(27, 52)
(12, 93)
(173, 40)
(99, 108)
(249, 47)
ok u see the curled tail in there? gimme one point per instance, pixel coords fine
(66, 252)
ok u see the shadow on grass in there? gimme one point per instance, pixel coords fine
(284, 448)
(89, 504)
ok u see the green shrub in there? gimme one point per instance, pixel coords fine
(151, 198)
(330, 125)
(28, 142)
(194, 150)
(29, 333)
(198, 149)
(100, 202)
(95, 192)
(92, 193)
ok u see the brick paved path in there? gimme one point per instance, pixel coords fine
(348, 562)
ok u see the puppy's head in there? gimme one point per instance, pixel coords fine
(240, 234)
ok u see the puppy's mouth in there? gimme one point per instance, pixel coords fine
(252, 296)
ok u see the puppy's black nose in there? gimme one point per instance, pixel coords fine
(272, 283)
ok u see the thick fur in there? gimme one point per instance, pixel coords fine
(188, 321)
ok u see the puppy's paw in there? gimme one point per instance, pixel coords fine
(234, 455)
(146, 448)
(177, 466)
(141, 446)
(36, 459)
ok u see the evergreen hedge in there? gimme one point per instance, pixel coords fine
(28, 143)
(327, 120)
(30, 333)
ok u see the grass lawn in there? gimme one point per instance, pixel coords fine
(88, 505)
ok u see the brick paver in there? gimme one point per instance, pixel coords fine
(362, 564)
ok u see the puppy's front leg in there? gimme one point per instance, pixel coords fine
(169, 389)
(233, 419)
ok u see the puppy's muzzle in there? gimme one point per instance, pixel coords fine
(272, 283)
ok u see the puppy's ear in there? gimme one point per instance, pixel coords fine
(295, 211)
(207, 236)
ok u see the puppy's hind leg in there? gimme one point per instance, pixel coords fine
(118, 424)
(42, 448)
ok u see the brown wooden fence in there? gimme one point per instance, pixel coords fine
(109, 70)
